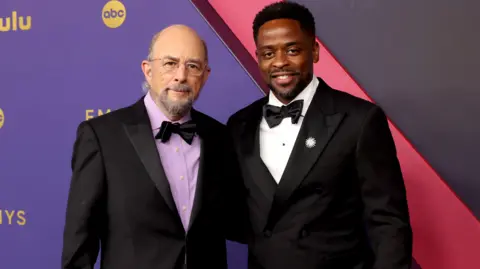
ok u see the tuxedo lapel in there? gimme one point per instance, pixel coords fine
(205, 159)
(250, 149)
(318, 127)
(139, 132)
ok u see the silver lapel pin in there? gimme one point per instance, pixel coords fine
(310, 142)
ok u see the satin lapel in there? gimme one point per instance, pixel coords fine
(140, 134)
(205, 159)
(318, 127)
(250, 149)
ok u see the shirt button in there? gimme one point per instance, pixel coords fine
(181, 177)
(184, 208)
(176, 149)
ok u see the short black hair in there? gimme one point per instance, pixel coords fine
(285, 10)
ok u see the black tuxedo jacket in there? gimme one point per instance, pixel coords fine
(120, 198)
(340, 204)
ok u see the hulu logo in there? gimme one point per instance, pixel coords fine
(15, 23)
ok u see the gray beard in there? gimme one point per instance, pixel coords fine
(175, 108)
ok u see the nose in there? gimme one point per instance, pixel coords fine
(280, 60)
(180, 74)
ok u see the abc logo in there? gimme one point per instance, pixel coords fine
(2, 118)
(114, 14)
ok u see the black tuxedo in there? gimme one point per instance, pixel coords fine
(120, 198)
(340, 204)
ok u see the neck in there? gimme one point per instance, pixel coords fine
(283, 100)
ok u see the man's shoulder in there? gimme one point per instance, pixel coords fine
(351, 102)
(209, 127)
(347, 102)
(358, 109)
(112, 118)
(248, 112)
(206, 120)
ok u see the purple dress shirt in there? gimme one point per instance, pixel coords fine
(180, 161)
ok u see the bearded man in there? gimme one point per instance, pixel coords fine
(156, 182)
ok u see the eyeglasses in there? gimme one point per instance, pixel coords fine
(170, 64)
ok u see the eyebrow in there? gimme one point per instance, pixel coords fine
(171, 58)
(288, 44)
(192, 60)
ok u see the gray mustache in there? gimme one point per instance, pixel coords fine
(180, 88)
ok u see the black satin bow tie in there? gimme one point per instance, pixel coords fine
(274, 114)
(185, 130)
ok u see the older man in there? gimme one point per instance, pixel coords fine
(154, 184)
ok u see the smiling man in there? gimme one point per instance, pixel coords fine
(324, 185)
(155, 184)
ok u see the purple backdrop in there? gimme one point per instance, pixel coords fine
(67, 65)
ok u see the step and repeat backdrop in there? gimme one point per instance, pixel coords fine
(62, 62)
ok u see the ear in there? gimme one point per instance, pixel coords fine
(147, 70)
(316, 52)
(206, 74)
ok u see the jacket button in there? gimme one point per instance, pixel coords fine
(267, 233)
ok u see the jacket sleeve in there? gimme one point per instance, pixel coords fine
(383, 194)
(81, 237)
(238, 221)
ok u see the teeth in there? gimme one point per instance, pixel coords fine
(283, 77)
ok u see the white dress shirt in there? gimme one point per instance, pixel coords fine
(276, 144)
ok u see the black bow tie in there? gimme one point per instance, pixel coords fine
(274, 114)
(185, 130)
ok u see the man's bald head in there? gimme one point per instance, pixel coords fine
(176, 69)
(174, 34)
